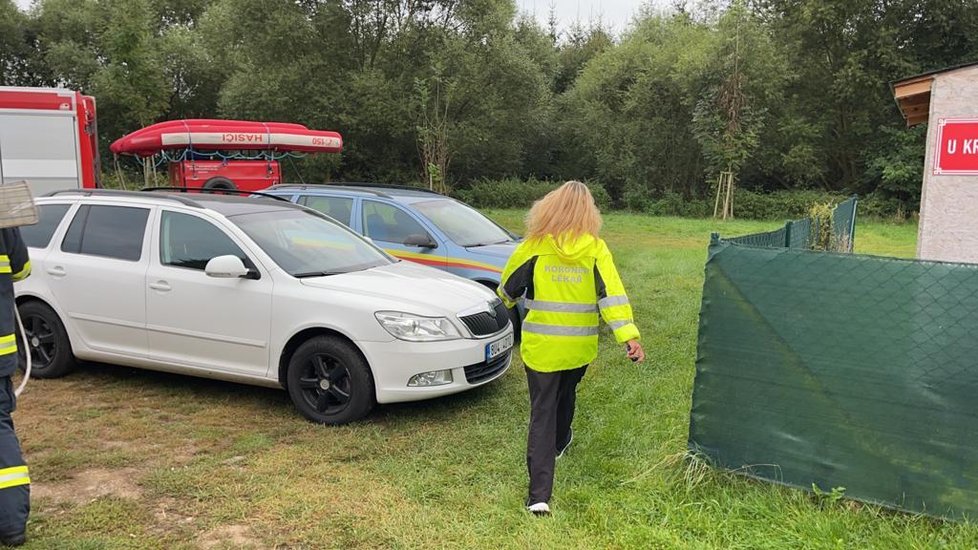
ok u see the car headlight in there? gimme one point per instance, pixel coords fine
(416, 328)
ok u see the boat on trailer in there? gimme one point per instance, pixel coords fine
(223, 154)
(213, 134)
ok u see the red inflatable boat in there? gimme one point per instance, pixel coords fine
(213, 134)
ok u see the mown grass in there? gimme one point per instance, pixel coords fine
(198, 463)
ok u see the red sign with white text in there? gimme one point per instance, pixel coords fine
(957, 147)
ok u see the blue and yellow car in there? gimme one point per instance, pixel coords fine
(414, 224)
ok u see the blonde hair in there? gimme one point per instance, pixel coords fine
(569, 210)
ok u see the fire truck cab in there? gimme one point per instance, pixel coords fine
(48, 137)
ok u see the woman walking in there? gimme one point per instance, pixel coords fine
(568, 277)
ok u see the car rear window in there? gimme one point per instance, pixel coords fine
(338, 208)
(109, 231)
(49, 218)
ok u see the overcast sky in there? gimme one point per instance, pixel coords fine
(613, 13)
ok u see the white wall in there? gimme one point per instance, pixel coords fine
(949, 203)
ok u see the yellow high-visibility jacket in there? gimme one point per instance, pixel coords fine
(566, 281)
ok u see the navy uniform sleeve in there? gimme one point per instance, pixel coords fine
(18, 260)
(517, 277)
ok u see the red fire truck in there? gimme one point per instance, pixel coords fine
(48, 137)
(225, 154)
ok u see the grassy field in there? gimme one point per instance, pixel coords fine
(123, 458)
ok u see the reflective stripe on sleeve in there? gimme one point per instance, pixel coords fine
(609, 301)
(615, 325)
(8, 344)
(24, 272)
(557, 330)
(560, 307)
(502, 291)
(14, 476)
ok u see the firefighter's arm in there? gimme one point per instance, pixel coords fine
(16, 259)
(516, 277)
(612, 300)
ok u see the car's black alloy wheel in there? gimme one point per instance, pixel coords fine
(325, 384)
(329, 381)
(47, 341)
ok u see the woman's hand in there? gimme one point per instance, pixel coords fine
(634, 351)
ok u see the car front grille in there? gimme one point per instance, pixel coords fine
(484, 323)
(487, 369)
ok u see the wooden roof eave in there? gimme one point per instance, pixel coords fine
(913, 98)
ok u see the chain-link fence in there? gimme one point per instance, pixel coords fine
(831, 370)
(844, 225)
(804, 233)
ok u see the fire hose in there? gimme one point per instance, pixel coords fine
(27, 354)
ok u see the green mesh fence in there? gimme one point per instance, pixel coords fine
(839, 370)
(801, 233)
(844, 225)
(772, 239)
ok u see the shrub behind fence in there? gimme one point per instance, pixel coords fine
(804, 233)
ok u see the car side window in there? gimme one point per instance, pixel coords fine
(384, 222)
(108, 231)
(190, 242)
(338, 208)
(49, 217)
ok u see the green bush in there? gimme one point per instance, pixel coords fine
(781, 205)
(636, 197)
(876, 206)
(674, 204)
(132, 181)
(516, 193)
(750, 205)
(600, 194)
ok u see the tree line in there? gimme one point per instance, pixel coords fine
(786, 94)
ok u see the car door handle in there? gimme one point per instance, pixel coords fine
(162, 286)
(56, 271)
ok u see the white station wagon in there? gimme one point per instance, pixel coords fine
(251, 290)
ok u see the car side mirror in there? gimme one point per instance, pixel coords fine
(420, 240)
(228, 267)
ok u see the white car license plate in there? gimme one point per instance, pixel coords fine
(494, 349)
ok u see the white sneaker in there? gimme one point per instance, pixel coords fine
(539, 508)
(560, 452)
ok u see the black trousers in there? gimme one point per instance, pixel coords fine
(15, 492)
(552, 397)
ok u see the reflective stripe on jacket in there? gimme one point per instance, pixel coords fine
(14, 266)
(567, 282)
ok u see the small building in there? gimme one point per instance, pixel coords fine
(948, 101)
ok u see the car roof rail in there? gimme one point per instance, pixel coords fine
(335, 186)
(388, 186)
(217, 191)
(373, 188)
(119, 193)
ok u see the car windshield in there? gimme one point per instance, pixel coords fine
(309, 245)
(462, 224)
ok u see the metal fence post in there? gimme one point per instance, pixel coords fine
(787, 234)
(852, 223)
